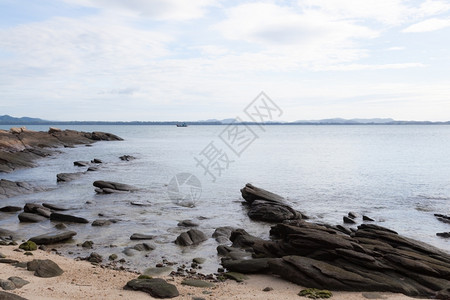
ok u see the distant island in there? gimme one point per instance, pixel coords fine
(9, 120)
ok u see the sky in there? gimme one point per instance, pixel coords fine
(156, 60)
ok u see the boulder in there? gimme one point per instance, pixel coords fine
(18, 282)
(67, 218)
(45, 268)
(222, 234)
(251, 193)
(53, 237)
(191, 237)
(156, 287)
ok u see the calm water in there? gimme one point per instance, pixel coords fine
(398, 175)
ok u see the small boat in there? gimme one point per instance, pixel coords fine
(182, 125)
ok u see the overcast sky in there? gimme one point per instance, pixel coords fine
(202, 59)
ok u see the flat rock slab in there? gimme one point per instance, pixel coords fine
(9, 296)
(140, 236)
(54, 207)
(31, 218)
(114, 186)
(10, 209)
(197, 283)
(53, 237)
(45, 268)
(67, 218)
(156, 287)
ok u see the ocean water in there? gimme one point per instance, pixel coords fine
(398, 175)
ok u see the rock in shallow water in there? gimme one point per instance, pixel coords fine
(31, 218)
(109, 187)
(141, 236)
(191, 237)
(67, 218)
(53, 237)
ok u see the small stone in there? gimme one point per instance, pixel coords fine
(199, 260)
(28, 253)
(60, 226)
(141, 236)
(28, 246)
(94, 258)
(112, 257)
(366, 218)
(87, 244)
(348, 220)
(100, 222)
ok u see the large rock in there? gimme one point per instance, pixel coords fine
(111, 187)
(53, 237)
(67, 218)
(251, 193)
(191, 237)
(45, 268)
(156, 287)
(9, 296)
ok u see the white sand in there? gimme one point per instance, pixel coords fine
(82, 280)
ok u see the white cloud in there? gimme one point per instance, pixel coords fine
(429, 25)
(360, 67)
(177, 10)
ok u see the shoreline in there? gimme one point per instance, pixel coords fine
(82, 280)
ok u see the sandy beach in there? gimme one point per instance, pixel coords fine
(82, 280)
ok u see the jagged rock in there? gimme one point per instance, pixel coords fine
(53, 237)
(140, 236)
(96, 161)
(443, 218)
(348, 220)
(191, 237)
(352, 215)
(156, 287)
(366, 218)
(10, 209)
(67, 218)
(80, 163)
(66, 177)
(187, 223)
(109, 187)
(31, 218)
(45, 268)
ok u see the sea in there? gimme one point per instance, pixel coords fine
(399, 175)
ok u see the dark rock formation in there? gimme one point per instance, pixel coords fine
(443, 234)
(101, 222)
(19, 147)
(191, 237)
(44, 268)
(10, 209)
(109, 187)
(156, 287)
(443, 218)
(80, 163)
(373, 258)
(9, 296)
(222, 234)
(267, 206)
(53, 237)
(67, 218)
(54, 207)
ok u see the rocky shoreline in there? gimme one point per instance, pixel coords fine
(366, 258)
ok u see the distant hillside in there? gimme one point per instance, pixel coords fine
(9, 120)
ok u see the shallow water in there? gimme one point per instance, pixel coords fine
(398, 175)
